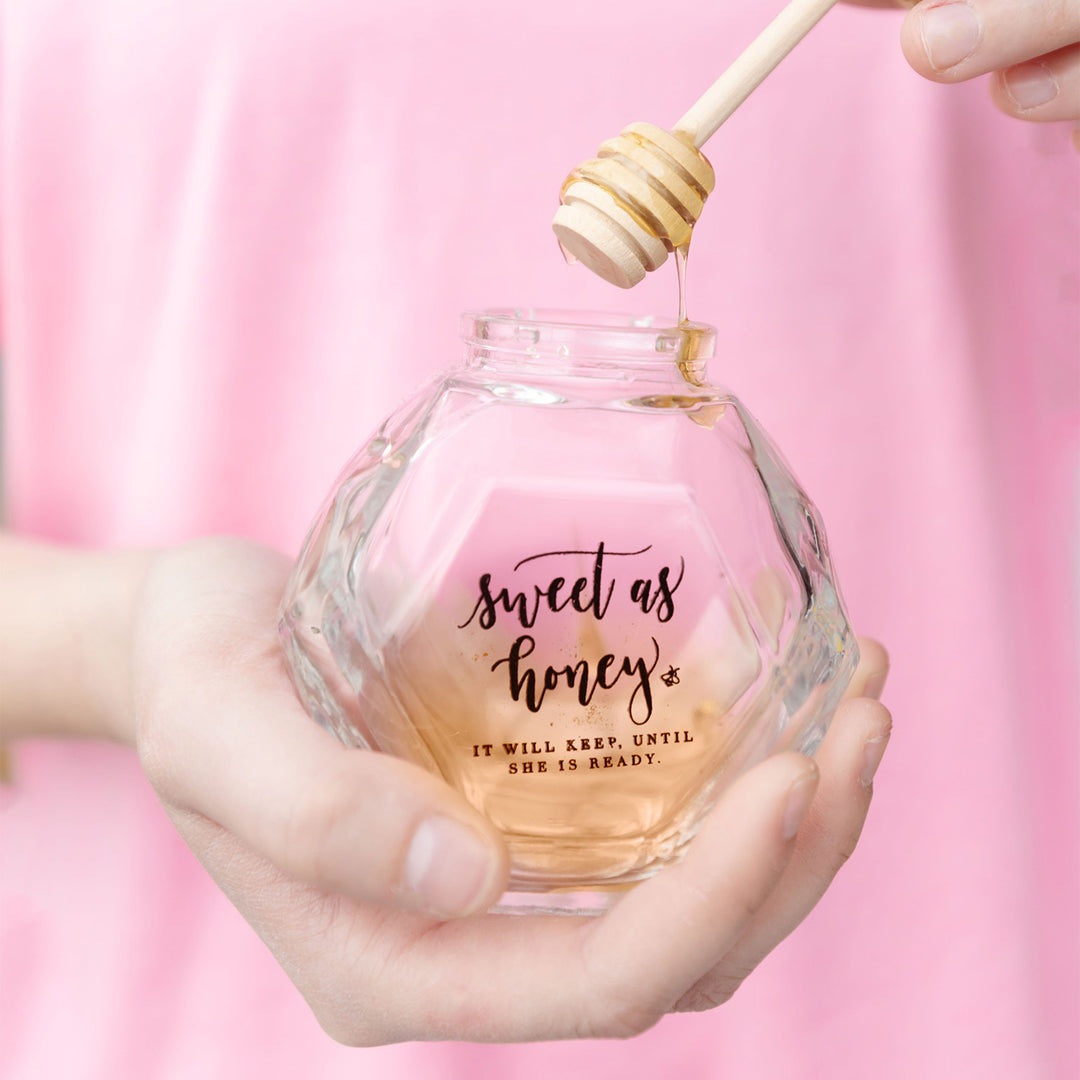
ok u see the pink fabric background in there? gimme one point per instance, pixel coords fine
(236, 232)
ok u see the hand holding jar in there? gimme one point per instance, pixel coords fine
(352, 866)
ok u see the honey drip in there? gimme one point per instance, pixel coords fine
(691, 366)
(681, 253)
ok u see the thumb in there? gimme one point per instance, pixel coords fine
(222, 734)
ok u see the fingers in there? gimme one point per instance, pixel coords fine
(524, 978)
(671, 930)
(951, 40)
(848, 760)
(1044, 89)
(221, 734)
(1031, 44)
(261, 788)
(682, 940)
(227, 745)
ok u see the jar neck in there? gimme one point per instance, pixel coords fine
(587, 344)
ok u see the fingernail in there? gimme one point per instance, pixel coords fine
(1030, 85)
(950, 33)
(448, 867)
(872, 755)
(800, 796)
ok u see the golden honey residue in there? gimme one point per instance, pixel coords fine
(704, 411)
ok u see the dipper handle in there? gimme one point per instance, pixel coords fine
(748, 72)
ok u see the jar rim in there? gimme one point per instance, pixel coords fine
(540, 334)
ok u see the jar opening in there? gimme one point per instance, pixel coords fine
(561, 338)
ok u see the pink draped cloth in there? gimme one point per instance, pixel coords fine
(236, 232)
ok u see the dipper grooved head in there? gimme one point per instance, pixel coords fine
(623, 211)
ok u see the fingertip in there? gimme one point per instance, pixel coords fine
(787, 782)
(855, 745)
(1023, 89)
(872, 671)
(861, 717)
(869, 729)
(938, 37)
(911, 45)
(382, 831)
(453, 869)
(873, 751)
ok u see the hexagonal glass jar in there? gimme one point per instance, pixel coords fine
(580, 584)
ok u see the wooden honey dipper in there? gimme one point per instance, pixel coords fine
(639, 198)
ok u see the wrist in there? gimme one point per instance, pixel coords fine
(65, 640)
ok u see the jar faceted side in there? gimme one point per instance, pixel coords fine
(582, 599)
(319, 588)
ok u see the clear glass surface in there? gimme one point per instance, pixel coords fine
(578, 582)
